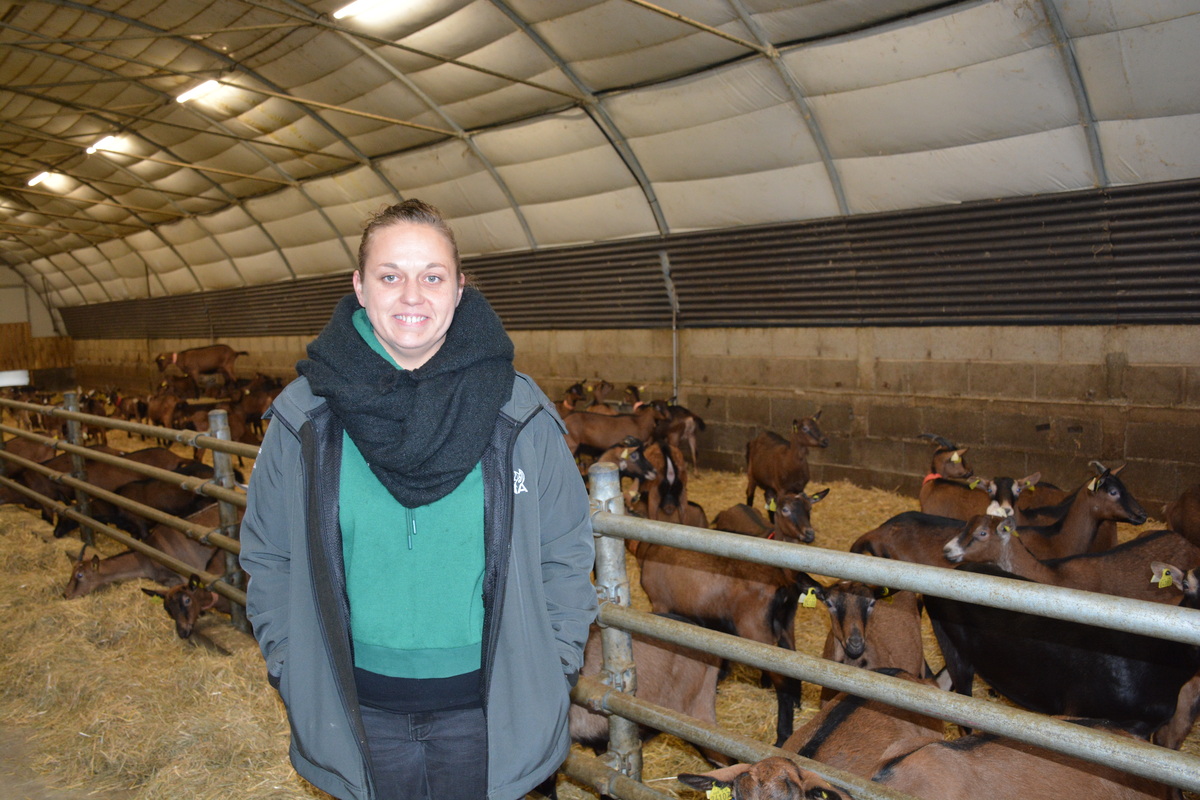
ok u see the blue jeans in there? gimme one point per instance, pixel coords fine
(431, 755)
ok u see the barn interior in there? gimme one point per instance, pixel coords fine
(975, 219)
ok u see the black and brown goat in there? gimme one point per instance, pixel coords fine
(873, 627)
(187, 601)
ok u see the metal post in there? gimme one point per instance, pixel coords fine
(612, 586)
(218, 427)
(78, 470)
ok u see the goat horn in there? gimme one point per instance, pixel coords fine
(1100, 468)
(940, 440)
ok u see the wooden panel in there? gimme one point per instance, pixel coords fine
(50, 352)
(19, 351)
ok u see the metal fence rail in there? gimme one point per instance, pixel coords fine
(1131, 755)
(219, 488)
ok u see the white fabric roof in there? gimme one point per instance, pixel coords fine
(541, 123)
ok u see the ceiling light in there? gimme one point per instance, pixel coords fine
(36, 179)
(107, 143)
(199, 91)
(357, 7)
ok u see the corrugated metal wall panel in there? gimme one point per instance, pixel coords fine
(1122, 255)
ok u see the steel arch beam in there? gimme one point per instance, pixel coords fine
(1087, 117)
(594, 108)
(798, 99)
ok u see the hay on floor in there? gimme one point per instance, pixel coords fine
(110, 700)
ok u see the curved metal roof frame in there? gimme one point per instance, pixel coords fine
(536, 125)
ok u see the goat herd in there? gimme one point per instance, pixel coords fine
(200, 380)
(1024, 529)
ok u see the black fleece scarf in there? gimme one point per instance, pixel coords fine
(421, 431)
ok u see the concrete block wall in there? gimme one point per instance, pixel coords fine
(1048, 399)
(1025, 399)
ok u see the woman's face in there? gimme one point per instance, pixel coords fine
(410, 288)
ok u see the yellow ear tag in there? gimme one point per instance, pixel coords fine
(810, 598)
(625, 453)
(955, 458)
(771, 506)
(1165, 581)
(719, 793)
(973, 484)
(1029, 487)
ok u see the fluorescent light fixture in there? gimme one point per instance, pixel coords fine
(14, 377)
(199, 91)
(107, 143)
(357, 7)
(36, 179)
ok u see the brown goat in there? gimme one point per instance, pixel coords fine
(669, 675)
(857, 734)
(780, 465)
(1183, 514)
(1085, 522)
(187, 601)
(773, 778)
(755, 601)
(911, 536)
(958, 499)
(603, 431)
(948, 459)
(872, 627)
(985, 765)
(630, 458)
(794, 523)
(89, 575)
(215, 358)
(600, 392)
(1119, 571)
(682, 428)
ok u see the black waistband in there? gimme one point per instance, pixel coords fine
(410, 695)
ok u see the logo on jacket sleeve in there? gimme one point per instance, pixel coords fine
(519, 481)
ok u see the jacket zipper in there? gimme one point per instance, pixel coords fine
(326, 488)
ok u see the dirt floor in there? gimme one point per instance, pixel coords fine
(105, 701)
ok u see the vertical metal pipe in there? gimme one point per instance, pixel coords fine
(612, 586)
(218, 427)
(78, 469)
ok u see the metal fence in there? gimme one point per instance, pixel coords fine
(220, 488)
(618, 621)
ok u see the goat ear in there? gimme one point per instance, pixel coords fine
(1117, 470)
(817, 415)
(155, 593)
(819, 496)
(194, 581)
(717, 777)
(1166, 575)
(1029, 481)
(96, 563)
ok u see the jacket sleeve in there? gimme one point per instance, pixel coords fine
(276, 490)
(567, 548)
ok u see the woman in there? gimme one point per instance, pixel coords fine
(418, 540)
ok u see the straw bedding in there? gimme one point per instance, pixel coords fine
(109, 700)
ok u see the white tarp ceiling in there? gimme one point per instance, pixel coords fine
(542, 123)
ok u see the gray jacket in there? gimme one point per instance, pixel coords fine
(538, 596)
